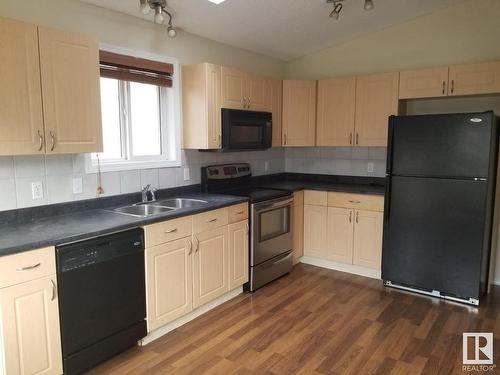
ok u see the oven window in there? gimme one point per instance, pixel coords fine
(242, 134)
(274, 223)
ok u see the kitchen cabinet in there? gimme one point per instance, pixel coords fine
(241, 90)
(211, 256)
(474, 79)
(376, 100)
(201, 106)
(367, 248)
(169, 281)
(55, 69)
(423, 83)
(21, 123)
(340, 231)
(274, 103)
(299, 113)
(69, 65)
(29, 314)
(315, 231)
(335, 113)
(256, 92)
(238, 253)
(298, 226)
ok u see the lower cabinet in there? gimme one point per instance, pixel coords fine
(368, 238)
(340, 231)
(238, 254)
(169, 280)
(30, 325)
(315, 227)
(210, 276)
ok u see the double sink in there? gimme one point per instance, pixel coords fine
(159, 207)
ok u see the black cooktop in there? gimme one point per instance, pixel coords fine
(257, 194)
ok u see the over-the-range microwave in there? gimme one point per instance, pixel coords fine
(246, 130)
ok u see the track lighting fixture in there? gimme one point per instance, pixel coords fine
(337, 7)
(161, 12)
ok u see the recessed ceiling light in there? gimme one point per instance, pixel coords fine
(216, 1)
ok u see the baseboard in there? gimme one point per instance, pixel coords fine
(162, 331)
(350, 268)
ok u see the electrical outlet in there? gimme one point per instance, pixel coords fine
(77, 185)
(186, 174)
(369, 167)
(37, 190)
(266, 166)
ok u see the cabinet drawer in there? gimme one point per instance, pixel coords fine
(298, 198)
(238, 212)
(27, 266)
(315, 198)
(167, 231)
(210, 220)
(359, 201)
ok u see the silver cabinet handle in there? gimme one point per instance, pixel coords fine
(350, 216)
(452, 85)
(350, 138)
(196, 244)
(284, 138)
(243, 103)
(212, 221)
(29, 267)
(240, 212)
(356, 202)
(444, 87)
(248, 228)
(248, 101)
(357, 138)
(171, 231)
(54, 290)
(189, 244)
(40, 140)
(53, 139)
(357, 217)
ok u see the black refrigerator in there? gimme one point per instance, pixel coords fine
(439, 203)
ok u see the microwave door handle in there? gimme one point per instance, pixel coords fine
(268, 206)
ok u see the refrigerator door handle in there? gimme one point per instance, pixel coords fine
(387, 199)
(392, 118)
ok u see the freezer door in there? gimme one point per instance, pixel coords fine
(433, 234)
(448, 145)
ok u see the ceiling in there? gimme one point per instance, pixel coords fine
(283, 29)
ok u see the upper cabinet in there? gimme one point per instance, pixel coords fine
(423, 83)
(299, 113)
(242, 90)
(475, 79)
(274, 104)
(58, 69)
(336, 108)
(21, 119)
(376, 100)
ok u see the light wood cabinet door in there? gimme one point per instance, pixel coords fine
(368, 239)
(69, 66)
(315, 231)
(31, 334)
(274, 104)
(298, 232)
(340, 231)
(211, 265)
(423, 83)
(256, 92)
(169, 282)
(299, 113)
(376, 100)
(233, 88)
(238, 254)
(473, 79)
(336, 107)
(21, 117)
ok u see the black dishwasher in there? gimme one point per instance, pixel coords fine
(102, 298)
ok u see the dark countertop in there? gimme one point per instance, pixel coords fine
(340, 187)
(70, 227)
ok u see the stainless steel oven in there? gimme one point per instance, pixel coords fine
(270, 240)
(246, 130)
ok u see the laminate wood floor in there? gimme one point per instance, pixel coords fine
(318, 321)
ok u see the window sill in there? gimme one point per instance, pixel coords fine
(91, 166)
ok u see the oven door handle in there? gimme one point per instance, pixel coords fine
(272, 205)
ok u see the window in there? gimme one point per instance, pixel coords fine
(140, 109)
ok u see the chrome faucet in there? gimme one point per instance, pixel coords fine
(148, 190)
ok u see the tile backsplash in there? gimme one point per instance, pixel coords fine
(56, 174)
(351, 161)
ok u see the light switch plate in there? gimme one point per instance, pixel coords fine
(186, 174)
(369, 167)
(37, 190)
(77, 185)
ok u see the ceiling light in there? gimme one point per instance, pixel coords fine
(369, 5)
(160, 8)
(217, 1)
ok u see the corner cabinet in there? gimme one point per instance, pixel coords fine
(29, 318)
(55, 69)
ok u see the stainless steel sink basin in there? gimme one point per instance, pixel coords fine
(177, 203)
(143, 210)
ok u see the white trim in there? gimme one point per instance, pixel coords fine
(350, 268)
(174, 147)
(191, 316)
